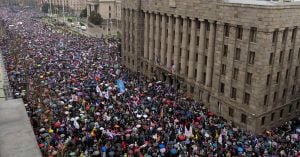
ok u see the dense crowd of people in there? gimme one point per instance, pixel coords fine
(71, 88)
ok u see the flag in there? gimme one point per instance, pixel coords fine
(173, 68)
(98, 89)
(106, 95)
(76, 124)
(74, 98)
(121, 86)
(97, 77)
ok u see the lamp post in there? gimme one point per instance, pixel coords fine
(51, 8)
(64, 11)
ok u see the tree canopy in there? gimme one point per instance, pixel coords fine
(83, 13)
(95, 18)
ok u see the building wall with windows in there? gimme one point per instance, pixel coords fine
(70, 5)
(108, 9)
(241, 60)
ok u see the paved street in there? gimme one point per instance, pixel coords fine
(92, 30)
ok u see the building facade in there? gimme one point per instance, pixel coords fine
(108, 9)
(70, 5)
(241, 58)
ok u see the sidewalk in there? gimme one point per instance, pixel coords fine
(92, 30)
(3, 79)
(16, 134)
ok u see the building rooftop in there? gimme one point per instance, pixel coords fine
(265, 2)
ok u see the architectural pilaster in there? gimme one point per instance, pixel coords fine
(210, 54)
(200, 63)
(176, 44)
(170, 43)
(163, 41)
(151, 38)
(146, 35)
(184, 47)
(157, 42)
(192, 55)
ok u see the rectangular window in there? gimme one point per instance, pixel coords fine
(281, 113)
(290, 55)
(239, 32)
(207, 26)
(237, 54)
(231, 112)
(283, 93)
(233, 93)
(223, 69)
(205, 60)
(192, 89)
(294, 34)
(243, 118)
(275, 34)
(271, 58)
(251, 57)
(225, 51)
(278, 77)
(281, 57)
(226, 30)
(290, 108)
(284, 36)
(297, 106)
(268, 79)
(206, 43)
(287, 74)
(222, 87)
(246, 98)
(296, 71)
(272, 116)
(235, 73)
(266, 100)
(293, 89)
(263, 120)
(249, 78)
(204, 78)
(275, 97)
(253, 31)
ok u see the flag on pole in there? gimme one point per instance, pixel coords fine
(106, 95)
(173, 68)
(121, 86)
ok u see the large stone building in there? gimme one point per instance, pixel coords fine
(239, 57)
(108, 9)
(70, 5)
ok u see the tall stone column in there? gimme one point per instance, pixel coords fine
(210, 55)
(163, 40)
(127, 36)
(170, 41)
(93, 7)
(123, 36)
(88, 10)
(151, 44)
(146, 35)
(176, 44)
(200, 63)
(192, 49)
(157, 34)
(184, 46)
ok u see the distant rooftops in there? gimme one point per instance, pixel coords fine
(265, 2)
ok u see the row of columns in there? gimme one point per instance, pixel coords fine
(156, 49)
